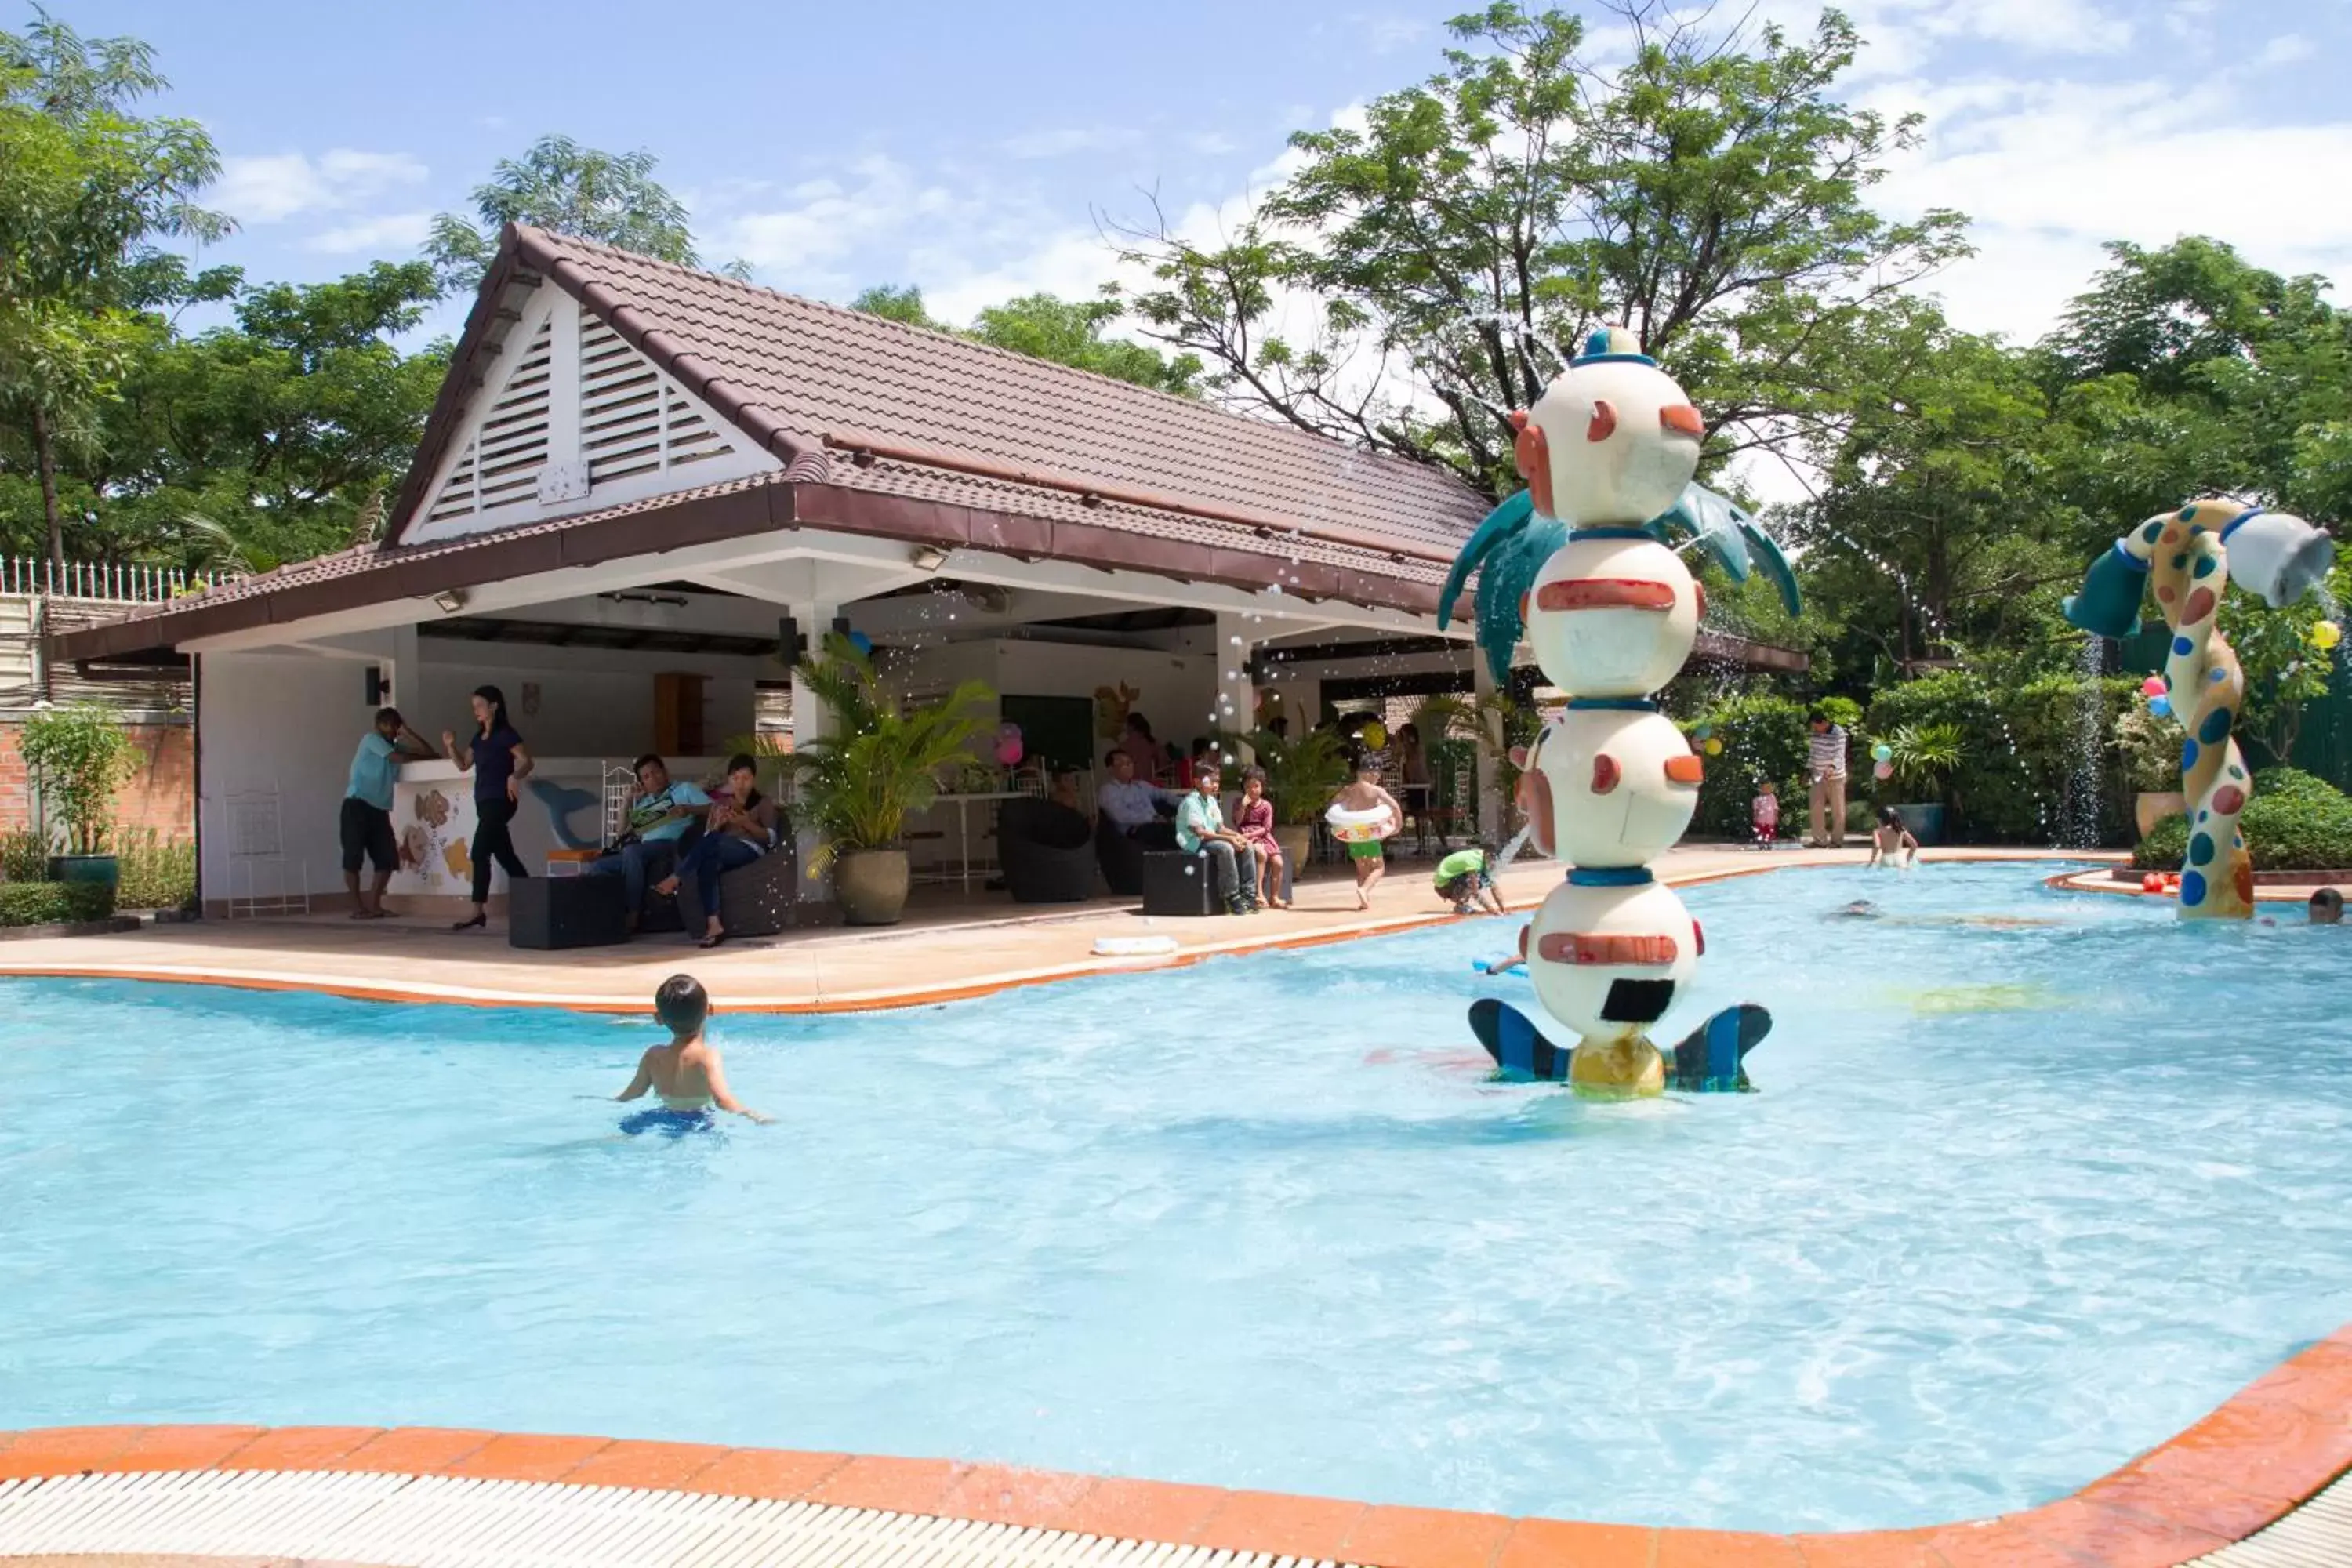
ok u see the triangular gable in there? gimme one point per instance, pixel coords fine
(579, 420)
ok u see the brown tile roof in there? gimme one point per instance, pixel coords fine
(784, 367)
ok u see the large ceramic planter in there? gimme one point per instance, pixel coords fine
(871, 885)
(1298, 840)
(1925, 821)
(101, 869)
(2152, 806)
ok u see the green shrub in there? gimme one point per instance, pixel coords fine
(54, 903)
(1763, 738)
(2295, 822)
(1843, 711)
(2018, 764)
(24, 857)
(157, 873)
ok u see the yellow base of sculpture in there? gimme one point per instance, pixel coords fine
(1617, 1070)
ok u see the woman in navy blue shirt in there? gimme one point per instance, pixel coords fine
(499, 762)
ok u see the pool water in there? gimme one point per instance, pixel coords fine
(2012, 1204)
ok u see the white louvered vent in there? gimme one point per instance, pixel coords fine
(499, 467)
(632, 419)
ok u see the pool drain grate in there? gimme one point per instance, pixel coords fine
(418, 1522)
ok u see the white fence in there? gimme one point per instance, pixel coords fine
(114, 581)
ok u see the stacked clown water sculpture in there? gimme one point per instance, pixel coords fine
(2187, 557)
(1608, 452)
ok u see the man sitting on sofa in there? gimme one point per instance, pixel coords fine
(1130, 806)
(659, 818)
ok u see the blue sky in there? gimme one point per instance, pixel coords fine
(968, 147)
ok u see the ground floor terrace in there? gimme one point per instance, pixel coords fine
(950, 946)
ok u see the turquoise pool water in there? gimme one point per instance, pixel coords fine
(2012, 1205)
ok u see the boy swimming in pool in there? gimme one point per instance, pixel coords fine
(686, 1073)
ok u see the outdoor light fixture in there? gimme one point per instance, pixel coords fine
(930, 558)
(451, 601)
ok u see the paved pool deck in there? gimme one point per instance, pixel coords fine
(2256, 1483)
(942, 952)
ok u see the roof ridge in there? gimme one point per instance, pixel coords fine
(867, 321)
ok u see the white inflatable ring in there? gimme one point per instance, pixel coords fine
(1357, 827)
(1134, 946)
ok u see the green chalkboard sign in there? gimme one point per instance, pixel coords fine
(1059, 728)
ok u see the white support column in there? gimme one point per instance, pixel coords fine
(1236, 699)
(811, 721)
(406, 672)
(1490, 747)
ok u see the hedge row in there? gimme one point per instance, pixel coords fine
(2295, 822)
(54, 903)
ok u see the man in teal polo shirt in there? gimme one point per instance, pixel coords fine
(367, 808)
(1201, 829)
(659, 818)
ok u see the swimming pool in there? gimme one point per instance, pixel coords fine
(2012, 1207)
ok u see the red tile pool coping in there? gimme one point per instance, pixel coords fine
(2274, 1445)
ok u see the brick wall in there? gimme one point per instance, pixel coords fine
(161, 795)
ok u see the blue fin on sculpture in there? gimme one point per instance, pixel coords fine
(1732, 537)
(1507, 519)
(1506, 552)
(563, 802)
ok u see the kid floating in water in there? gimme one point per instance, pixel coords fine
(1892, 842)
(1465, 878)
(686, 1073)
(2327, 907)
(1363, 794)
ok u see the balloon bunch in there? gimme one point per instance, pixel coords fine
(1882, 761)
(1705, 738)
(2161, 882)
(2159, 699)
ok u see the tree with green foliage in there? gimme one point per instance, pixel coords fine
(559, 184)
(88, 186)
(1045, 326)
(1709, 193)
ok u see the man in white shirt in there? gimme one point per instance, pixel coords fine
(1825, 760)
(1130, 804)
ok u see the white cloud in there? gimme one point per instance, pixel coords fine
(1061, 143)
(2049, 170)
(1387, 34)
(392, 231)
(2285, 50)
(273, 187)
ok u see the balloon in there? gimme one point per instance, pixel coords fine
(1713, 747)
(2152, 686)
(2151, 883)
(1882, 753)
(1702, 731)
(1882, 770)
(1008, 751)
(861, 642)
(1376, 734)
(2326, 635)
(2160, 705)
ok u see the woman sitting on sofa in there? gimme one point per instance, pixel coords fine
(740, 829)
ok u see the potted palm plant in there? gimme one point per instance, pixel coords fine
(1921, 757)
(82, 756)
(1302, 774)
(858, 785)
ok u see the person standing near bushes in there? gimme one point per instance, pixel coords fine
(499, 762)
(367, 808)
(1825, 761)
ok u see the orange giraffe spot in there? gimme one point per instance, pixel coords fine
(2199, 606)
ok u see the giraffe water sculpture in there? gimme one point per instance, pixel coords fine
(1608, 452)
(2187, 557)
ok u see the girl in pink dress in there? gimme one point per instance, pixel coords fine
(1254, 820)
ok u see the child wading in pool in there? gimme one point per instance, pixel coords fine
(1371, 860)
(686, 1073)
(1891, 842)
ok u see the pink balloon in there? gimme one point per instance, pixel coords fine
(2152, 686)
(1882, 770)
(1008, 752)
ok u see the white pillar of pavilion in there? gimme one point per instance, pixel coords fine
(811, 721)
(1490, 745)
(1236, 699)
